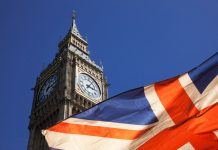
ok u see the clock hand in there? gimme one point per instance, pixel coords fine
(50, 86)
(89, 86)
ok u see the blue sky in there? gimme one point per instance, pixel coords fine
(138, 43)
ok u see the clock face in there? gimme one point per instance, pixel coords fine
(48, 87)
(88, 86)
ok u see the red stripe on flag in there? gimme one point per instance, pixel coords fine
(192, 126)
(116, 133)
(198, 131)
(175, 100)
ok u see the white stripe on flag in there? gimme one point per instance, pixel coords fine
(187, 146)
(107, 124)
(207, 98)
(164, 120)
(82, 142)
(216, 133)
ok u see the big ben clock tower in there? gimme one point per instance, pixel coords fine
(69, 85)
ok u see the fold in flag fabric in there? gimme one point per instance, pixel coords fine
(178, 113)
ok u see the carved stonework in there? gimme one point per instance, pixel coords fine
(65, 98)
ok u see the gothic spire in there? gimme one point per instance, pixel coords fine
(74, 29)
(74, 38)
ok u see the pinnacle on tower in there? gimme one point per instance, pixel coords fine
(74, 29)
(74, 38)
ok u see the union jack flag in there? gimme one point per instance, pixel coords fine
(178, 113)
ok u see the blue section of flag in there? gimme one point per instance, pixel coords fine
(205, 73)
(130, 107)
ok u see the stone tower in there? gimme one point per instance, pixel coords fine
(69, 85)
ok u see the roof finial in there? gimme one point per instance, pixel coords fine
(73, 28)
(74, 15)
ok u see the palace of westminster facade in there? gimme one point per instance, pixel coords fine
(70, 84)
